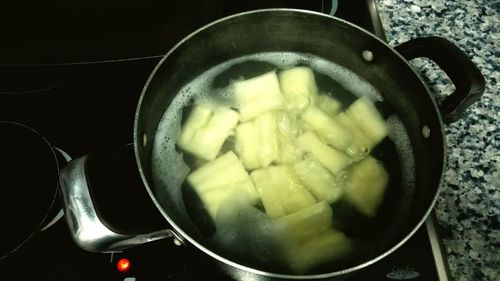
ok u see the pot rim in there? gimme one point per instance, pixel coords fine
(184, 235)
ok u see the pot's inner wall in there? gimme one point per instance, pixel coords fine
(321, 36)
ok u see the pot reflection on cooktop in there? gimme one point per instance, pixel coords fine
(228, 7)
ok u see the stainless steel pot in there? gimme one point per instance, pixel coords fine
(386, 68)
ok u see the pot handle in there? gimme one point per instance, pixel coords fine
(106, 205)
(468, 80)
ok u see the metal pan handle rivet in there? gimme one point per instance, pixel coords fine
(367, 55)
(426, 131)
(177, 242)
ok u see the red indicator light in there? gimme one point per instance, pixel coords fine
(123, 265)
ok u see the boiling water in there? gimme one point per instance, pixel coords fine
(250, 240)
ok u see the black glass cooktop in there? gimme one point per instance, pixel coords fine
(74, 72)
(52, 255)
(35, 32)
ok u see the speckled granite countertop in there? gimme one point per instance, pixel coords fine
(468, 207)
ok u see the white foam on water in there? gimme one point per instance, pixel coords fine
(201, 91)
(402, 142)
(243, 231)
